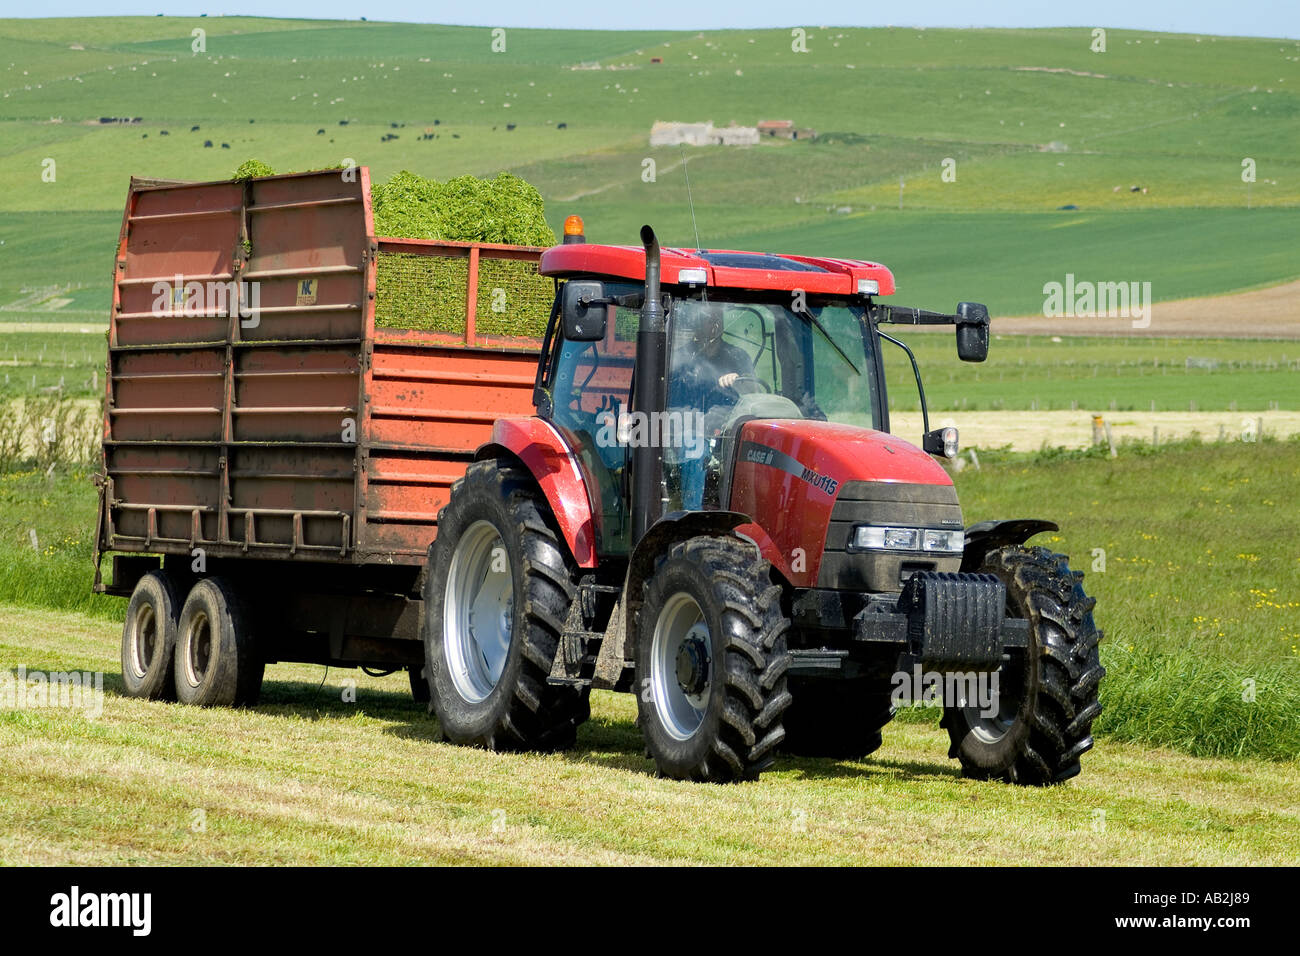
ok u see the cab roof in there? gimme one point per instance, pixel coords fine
(722, 268)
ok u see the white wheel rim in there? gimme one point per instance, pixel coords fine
(198, 648)
(478, 612)
(681, 666)
(144, 639)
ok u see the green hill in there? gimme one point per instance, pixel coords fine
(1032, 119)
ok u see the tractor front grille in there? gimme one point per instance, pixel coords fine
(885, 503)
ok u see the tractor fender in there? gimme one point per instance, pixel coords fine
(543, 451)
(663, 534)
(985, 536)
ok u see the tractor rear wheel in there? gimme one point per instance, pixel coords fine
(496, 597)
(835, 718)
(1047, 697)
(710, 662)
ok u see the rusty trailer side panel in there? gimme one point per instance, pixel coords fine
(254, 407)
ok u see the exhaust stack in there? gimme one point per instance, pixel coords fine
(651, 357)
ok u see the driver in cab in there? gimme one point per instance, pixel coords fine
(704, 366)
(704, 371)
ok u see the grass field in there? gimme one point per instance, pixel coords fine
(69, 362)
(1097, 374)
(309, 779)
(1033, 121)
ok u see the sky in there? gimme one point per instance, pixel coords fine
(1274, 18)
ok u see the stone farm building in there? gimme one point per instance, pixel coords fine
(702, 134)
(784, 129)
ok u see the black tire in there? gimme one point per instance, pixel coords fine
(419, 686)
(1049, 701)
(149, 638)
(835, 718)
(734, 731)
(217, 662)
(519, 709)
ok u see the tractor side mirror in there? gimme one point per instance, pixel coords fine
(972, 332)
(584, 311)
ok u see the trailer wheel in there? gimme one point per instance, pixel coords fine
(1048, 698)
(149, 638)
(835, 718)
(217, 663)
(710, 662)
(496, 597)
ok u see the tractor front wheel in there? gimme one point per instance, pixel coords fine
(1047, 696)
(711, 660)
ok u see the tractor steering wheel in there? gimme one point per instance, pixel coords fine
(751, 380)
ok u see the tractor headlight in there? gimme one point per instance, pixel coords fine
(951, 542)
(877, 538)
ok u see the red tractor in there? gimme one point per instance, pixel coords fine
(708, 510)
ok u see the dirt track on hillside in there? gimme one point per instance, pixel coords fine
(1029, 431)
(1263, 313)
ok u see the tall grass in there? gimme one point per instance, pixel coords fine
(1201, 705)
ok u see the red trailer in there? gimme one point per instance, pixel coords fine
(290, 398)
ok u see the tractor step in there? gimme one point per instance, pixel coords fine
(818, 662)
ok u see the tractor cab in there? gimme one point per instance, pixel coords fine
(746, 337)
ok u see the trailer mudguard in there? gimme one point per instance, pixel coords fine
(986, 536)
(542, 450)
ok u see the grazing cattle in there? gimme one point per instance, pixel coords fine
(509, 126)
(320, 132)
(563, 126)
(163, 132)
(194, 129)
(207, 144)
(225, 146)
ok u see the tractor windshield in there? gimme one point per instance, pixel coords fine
(816, 362)
(733, 359)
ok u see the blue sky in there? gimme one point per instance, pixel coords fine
(1280, 18)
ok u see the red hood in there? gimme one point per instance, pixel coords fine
(789, 473)
(847, 452)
